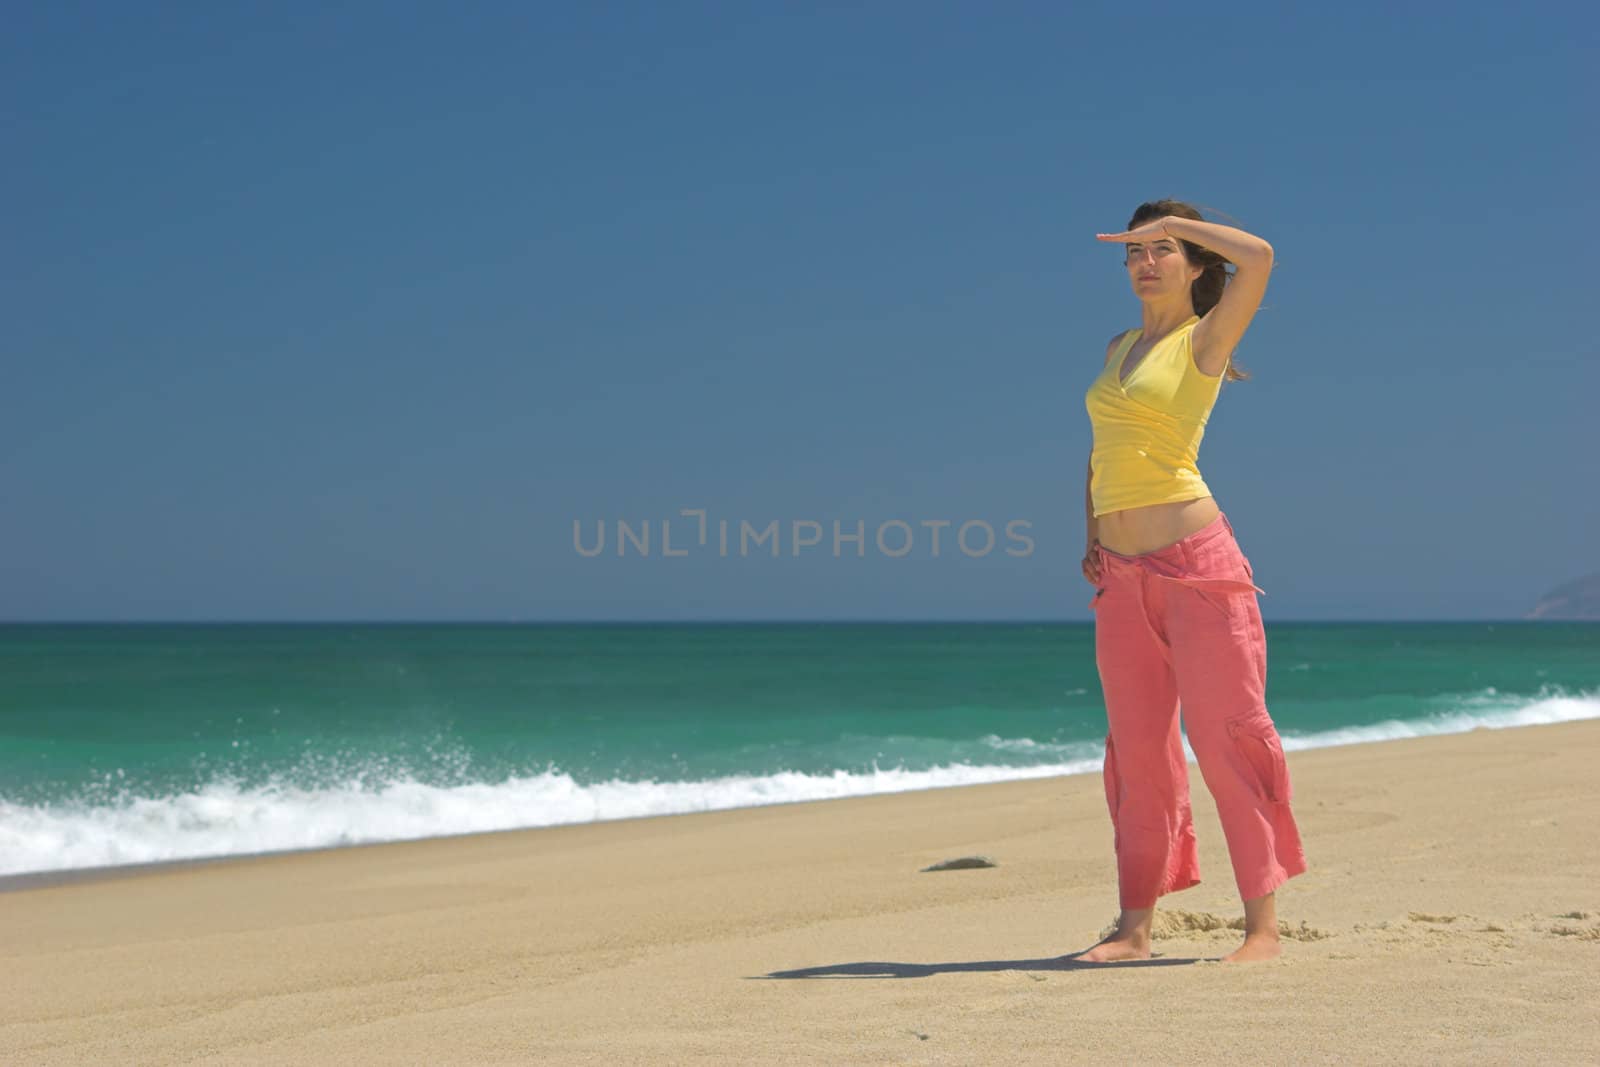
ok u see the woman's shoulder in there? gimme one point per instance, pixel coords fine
(1115, 342)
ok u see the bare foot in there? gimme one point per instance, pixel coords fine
(1116, 948)
(1256, 947)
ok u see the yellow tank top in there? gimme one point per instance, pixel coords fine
(1147, 429)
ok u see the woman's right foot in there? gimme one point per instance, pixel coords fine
(1115, 948)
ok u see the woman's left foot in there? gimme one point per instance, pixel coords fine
(1253, 950)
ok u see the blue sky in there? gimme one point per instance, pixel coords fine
(351, 312)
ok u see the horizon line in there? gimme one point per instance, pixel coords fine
(706, 621)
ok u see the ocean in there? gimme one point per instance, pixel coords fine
(124, 744)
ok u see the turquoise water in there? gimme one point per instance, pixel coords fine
(123, 744)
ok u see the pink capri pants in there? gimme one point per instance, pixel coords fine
(1180, 626)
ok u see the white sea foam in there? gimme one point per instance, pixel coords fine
(224, 819)
(1485, 710)
(1060, 751)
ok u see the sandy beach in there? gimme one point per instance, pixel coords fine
(1450, 915)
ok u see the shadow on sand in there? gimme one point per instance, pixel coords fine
(889, 969)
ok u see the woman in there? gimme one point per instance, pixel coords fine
(1176, 621)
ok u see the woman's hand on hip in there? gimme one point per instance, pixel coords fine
(1091, 563)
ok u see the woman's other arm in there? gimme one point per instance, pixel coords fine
(1091, 560)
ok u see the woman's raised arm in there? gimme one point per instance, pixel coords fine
(1219, 333)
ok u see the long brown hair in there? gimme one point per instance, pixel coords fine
(1206, 290)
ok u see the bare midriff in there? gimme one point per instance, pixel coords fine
(1135, 531)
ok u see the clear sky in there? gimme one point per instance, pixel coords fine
(351, 310)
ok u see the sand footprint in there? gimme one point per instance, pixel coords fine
(1463, 924)
(1579, 925)
(1465, 939)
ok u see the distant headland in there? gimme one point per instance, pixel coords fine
(1577, 599)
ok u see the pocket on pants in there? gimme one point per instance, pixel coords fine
(1257, 740)
(1223, 574)
(1220, 602)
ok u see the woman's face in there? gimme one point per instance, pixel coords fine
(1160, 269)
